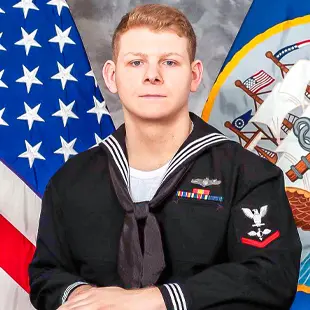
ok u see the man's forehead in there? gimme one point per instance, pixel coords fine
(142, 38)
(138, 31)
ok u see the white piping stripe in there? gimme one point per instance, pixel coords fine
(177, 296)
(182, 296)
(192, 152)
(116, 161)
(171, 296)
(113, 142)
(194, 142)
(119, 155)
(69, 289)
(193, 145)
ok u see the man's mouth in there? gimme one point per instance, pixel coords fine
(153, 96)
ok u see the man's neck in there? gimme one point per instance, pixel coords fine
(150, 145)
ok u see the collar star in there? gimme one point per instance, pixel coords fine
(28, 40)
(64, 75)
(62, 38)
(29, 78)
(31, 115)
(66, 149)
(2, 121)
(91, 74)
(32, 153)
(1, 83)
(99, 109)
(60, 4)
(65, 112)
(26, 5)
(2, 48)
(1, 11)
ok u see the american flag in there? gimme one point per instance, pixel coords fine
(50, 109)
(258, 81)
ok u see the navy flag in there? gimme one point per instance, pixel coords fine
(267, 71)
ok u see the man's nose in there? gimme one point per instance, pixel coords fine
(153, 75)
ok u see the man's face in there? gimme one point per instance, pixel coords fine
(153, 74)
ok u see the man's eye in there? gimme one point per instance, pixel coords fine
(170, 63)
(136, 63)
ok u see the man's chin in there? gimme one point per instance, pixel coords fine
(153, 115)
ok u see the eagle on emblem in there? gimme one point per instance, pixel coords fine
(255, 215)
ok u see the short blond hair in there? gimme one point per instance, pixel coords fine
(156, 17)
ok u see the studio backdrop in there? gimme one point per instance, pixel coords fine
(54, 103)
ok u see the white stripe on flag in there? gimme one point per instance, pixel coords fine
(13, 297)
(19, 204)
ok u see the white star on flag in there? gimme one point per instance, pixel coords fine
(60, 4)
(1, 11)
(62, 38)
(2, 121)
(26, 5)
(65, 112)
(99, 109)
(64, 75)
(32, 153)
(28, 40)
(91, 74)
(66, 149)
(29, 78)
(2, 48)
(98, 141)
(1, 83)
(31, 115)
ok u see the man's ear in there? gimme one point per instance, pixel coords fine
(197, 71)
(108, 73)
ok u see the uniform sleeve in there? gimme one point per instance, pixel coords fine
(52, 274)
(263, 248)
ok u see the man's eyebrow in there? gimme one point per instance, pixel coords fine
(135, 54)
(172, 54)
(162, 55)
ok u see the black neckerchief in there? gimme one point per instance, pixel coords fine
(136, 268)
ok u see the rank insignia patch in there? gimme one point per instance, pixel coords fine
(262, 235)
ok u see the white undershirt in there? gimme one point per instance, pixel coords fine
(144, 184)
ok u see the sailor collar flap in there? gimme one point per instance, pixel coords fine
(201, 138)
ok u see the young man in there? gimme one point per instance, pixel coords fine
(166, 213)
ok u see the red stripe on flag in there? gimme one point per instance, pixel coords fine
(303, 42)
(16, 253)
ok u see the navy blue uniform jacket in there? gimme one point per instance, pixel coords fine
(229, 238)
